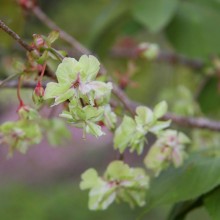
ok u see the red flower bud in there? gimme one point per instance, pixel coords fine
(38, 94)
(101, 123)
(26, 4)
(39, 42)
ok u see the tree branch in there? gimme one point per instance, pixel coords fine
(168, 57)
(40, 15)
(202, 123)
(63, 35)
(15, 36)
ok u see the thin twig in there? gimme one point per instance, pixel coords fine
(63, 34)
(9, 78)
(14, 35)
(167, 57)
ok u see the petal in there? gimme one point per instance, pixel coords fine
(100, 88)
(67, 71)
(63, 97)
(89, 67)
(55, 89)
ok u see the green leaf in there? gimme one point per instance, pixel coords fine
(197, 176)
(43, 57)
(211, 203)
(193, 30)
(210, 105)
(155, 15)
(53, 36)
(107, 24)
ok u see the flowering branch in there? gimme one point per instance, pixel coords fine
(41, 16)
(129, 105)
(202, 123)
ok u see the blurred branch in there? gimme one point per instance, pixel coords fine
(9, 78)
(14, 84)
(36, 10)
(63, 35)
(202, 123)
(171, 58)
(15, 36)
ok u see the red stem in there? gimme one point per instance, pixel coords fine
(21, 103)
(42, 73)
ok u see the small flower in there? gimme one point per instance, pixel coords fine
(39, 41)
(27, 113)
(75, 79)
(38, 94)
(169, 148)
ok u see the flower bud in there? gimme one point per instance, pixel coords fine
(38, 94)
(39, 41)
(149, 51)
(26, 4)
(23, 111)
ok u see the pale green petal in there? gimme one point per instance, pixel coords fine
(63, 97)
(123, 133)
(94, 129)
(93, 114)
(160, 109)
(159, 125)
(55, 89)
(100, 88)
(183, 138)
(89, 66)
(117, 170)
(67, 71)
(89, 179)
(144, 115)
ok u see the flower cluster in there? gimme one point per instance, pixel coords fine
(21, 134)
(131, 133)
(119, 183)
(169, 148)
(87, 96)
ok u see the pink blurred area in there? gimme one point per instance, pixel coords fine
(44, 163)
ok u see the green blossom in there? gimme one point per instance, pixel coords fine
(85, 117)
(110, 118)
(20, 135)
(119, 183)
(77, 78)
(168, 149)
(131, 133)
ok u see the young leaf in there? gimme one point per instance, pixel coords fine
(187, 182)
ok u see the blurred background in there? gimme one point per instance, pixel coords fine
(43, 184)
